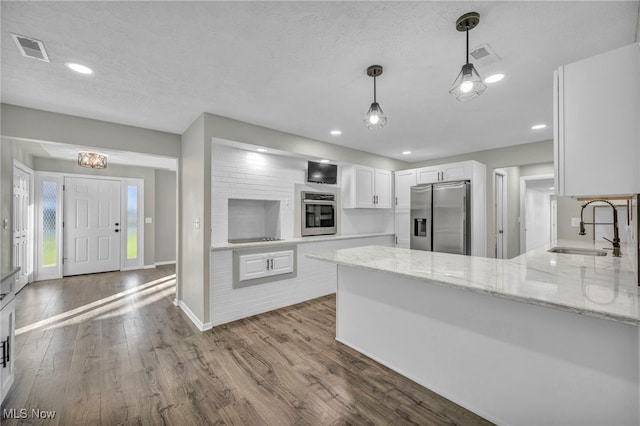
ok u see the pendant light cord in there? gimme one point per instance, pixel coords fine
(467, 45)
(374, 89)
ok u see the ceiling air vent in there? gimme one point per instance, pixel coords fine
(31, 48)
(484, 54)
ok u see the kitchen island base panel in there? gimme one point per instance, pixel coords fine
(510, 362)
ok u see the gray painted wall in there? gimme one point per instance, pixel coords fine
(537, 169)
(517, 155)
(27, 123)
(194, 184)
(568, 208)
(115, 170)
(165, 216)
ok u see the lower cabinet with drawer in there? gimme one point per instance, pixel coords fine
(257, 266)
(7, 332)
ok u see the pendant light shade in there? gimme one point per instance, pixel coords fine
(92, 160)
(375, 118)
(468, 85)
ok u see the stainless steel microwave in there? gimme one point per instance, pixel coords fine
(319, 213)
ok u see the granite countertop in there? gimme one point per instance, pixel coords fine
(599, 286)
(299, 240)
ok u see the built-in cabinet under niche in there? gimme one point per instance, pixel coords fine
(250, 218)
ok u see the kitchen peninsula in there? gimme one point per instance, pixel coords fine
(543, 338)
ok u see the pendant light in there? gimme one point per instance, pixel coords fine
(468, 85)
(375, 118)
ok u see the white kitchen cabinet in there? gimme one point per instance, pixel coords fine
(404, 180)
(445, 172)
(281, 262)
(596, 124)
(366, 187)
(402, 229)
(7, 335)
(260, 265)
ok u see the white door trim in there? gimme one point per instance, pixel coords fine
(30, 223)
(523, 187)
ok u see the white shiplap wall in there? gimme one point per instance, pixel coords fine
(242, 174)
(314, 279)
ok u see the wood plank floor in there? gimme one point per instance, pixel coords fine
(111, 349)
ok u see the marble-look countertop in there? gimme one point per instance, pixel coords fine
(9, 273)
(598, 286)
(299, 240)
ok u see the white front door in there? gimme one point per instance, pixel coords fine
(21, 225)
(91, 226)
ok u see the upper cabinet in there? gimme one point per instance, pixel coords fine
(597, 124)
(445, 172)
(404, 180)
(366, 187)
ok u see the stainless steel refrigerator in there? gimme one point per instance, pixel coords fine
(440, 217)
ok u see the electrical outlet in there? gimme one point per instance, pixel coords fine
(196, 223)
(148, 220)
(575, 222)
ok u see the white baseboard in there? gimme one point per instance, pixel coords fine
(194, 319)
(168, 262)
(149, 267)
(131, 268)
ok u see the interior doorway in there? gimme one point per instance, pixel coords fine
(23, 223)
(535, 211)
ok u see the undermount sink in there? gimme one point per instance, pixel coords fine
(576, 250)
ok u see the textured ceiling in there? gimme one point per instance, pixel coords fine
(300, 67)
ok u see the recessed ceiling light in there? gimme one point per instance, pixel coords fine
(538, 126)
(324, 161)
(261, 150)
(493, 78)
(406, 152)
(336, 132)
(552, 188)
(82, 69)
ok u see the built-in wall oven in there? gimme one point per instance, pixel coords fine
(318, 213)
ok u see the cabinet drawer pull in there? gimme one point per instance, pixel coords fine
(5, 352)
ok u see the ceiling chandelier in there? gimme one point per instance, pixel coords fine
(468, 85)
(92, 160)
(375, 118)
